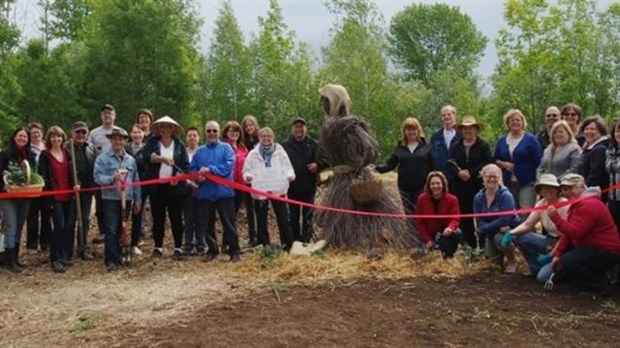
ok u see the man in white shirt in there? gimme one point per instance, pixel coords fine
(443, 138)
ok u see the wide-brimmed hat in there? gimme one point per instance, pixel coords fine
(178, 131)
(469, 121)
(117, 132)
(572, 180)
(546, 180)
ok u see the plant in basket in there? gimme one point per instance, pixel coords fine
(19, 177)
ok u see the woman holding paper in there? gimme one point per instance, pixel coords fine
(268, 168)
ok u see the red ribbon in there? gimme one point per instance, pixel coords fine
(241, 187)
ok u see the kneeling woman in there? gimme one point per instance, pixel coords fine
(435, 200)
(533, 244)
(493, 198)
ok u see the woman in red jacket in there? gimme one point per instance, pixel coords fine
(435, 200)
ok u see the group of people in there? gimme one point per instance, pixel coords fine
(569, 166)
(457, 172)
(122, 171)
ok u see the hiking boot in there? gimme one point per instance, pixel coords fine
(99, 239)
(87, 256)
(112, 267)
(11, 263)
(178, 255)
(66, 263)
(235, 258)
(57, 267)
(157, 253)
(209, 257)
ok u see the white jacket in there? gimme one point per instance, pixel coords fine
(255, 161)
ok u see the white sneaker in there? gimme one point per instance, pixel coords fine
(136, 251)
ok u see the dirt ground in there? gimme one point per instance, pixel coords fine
(193, 304)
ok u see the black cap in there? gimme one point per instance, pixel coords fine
(107, 107)
(299, 119)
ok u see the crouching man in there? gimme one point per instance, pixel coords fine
(589, 244)
(112, 169)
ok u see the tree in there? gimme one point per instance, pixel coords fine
(10, 90)
(68, 18)
(281, 78)
(156, 66)
(430, 38)
(228, 69)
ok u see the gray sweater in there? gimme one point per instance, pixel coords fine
(561, 162)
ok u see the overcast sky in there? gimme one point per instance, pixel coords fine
(309, 19)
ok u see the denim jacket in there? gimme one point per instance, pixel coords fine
(106, 165)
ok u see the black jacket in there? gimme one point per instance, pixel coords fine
(85, 164)
(592, 165)
(412, 167)
(10, 155)
(479, 155)
(181, 161)
(301, 154)
(141, 160)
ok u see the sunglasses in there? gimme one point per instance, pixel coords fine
(211, 130)
(81, 131)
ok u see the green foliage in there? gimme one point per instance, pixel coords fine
(427, 39)
(268, 254)
(16, 175)
(227, 73)
(155, 66)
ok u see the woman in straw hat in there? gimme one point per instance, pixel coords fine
(533, 244)
(466, 158)
(167, 158)
(414, 158)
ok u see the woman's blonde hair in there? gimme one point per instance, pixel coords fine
(493, 166)
(514, 112)
(413, 123)
(561, 124)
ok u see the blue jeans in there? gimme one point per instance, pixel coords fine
(531, 245)
(111, 218)
(63, 233)
(544, 273)
(191, 230)
(14, 213)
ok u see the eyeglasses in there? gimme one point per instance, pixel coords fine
(551, 115)
(491, 177)
(211, 130)
(570, 114)
(80, 131)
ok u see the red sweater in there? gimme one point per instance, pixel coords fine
(240, 155)
(589, 224)
(448, 205)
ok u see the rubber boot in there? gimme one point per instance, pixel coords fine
(11, 264)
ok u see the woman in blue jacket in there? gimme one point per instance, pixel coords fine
(518, 154)
(495, 197)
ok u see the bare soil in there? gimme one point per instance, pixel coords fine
(475, 311)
